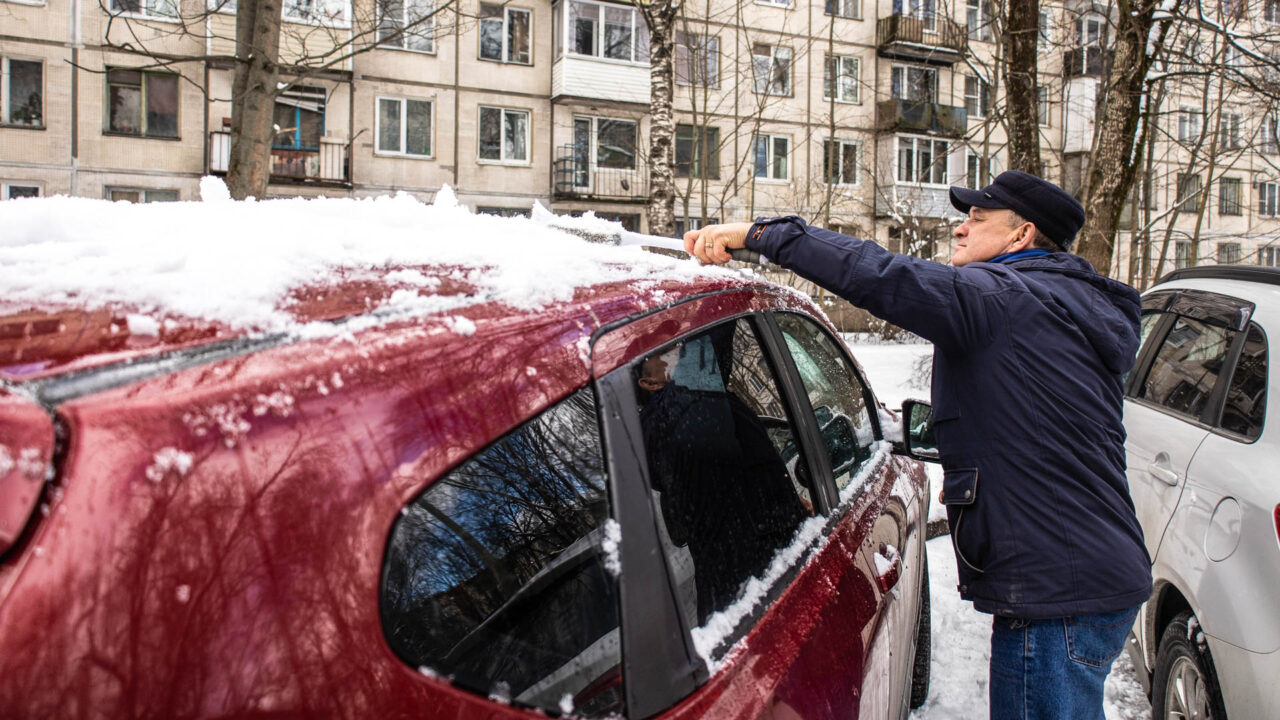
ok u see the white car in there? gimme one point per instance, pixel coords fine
(1203, 451)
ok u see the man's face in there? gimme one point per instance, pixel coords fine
(655, 371)
(984, 235)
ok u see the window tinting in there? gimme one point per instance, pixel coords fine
(1246, 405)
(1186, 366)
(836, 395)
(495, 575)
(724, 461)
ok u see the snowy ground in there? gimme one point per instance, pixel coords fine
(961, 635)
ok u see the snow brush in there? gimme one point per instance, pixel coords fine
(605, 232)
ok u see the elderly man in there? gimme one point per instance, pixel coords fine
(1031, 350)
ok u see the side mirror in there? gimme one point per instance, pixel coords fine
(917, 431)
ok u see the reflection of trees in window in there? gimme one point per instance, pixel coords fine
(1246, 405)
(494, 574)
(1187, 366)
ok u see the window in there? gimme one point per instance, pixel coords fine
(504, 135)
(1228, 253)
(836, 395)
(505, 34)
(498, 577)
(1045, 38)
(321, 12)
(407, 24)
(1271, 11)
(299, 118)
(16, 190)
(1181, 254)
(1229, 131)
(697, 60)
(685, 224)
(771, 67)
(724, 459)
(1089, 29)
(1246, 402)
(851, 9)
(841, 79)
(141, 195)
(977, 96)
(628, 221)
(1186, 366)
(167, 9)
(922, 160)
(923, 10)
(604, 143)
(772, 162)
(1043, 108)
(404, 126)
(1268, 138)
(142, 103)
(1189, 195)
(1269, 256)
(978, 174)
(977, 17)
(22, 92)
(697, 152)
(840, 162)
(779, 3)
(503, 212)
(607, 31)
(908, 82)
(1188, 125)
(1268, 204)
(1230, 196)
(1232, 8)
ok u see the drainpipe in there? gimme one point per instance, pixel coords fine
(75, 97)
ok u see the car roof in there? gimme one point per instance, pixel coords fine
(360, 264)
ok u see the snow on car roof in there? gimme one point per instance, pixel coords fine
(241, 264)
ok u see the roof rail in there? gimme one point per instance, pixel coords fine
(1248, 273)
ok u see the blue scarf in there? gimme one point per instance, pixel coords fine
(1033, 252)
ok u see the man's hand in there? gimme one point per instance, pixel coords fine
(711, 244)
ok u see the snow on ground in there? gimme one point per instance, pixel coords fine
(961, 635)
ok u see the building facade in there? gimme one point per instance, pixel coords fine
(856, 114)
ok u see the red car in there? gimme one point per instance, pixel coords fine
(674, 502)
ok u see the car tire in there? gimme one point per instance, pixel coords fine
(1185, 684)
(924, 648)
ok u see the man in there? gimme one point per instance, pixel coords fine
(1031, 349)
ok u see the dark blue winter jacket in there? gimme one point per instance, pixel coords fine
(1029, 361)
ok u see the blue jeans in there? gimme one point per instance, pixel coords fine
(1050, 669)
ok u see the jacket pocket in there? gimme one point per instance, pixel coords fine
(959, 486)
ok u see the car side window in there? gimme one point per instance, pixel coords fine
(1186, 366)
(496, 576)
(729, 483)
(1246, 404)
(1150, 319)
(836, 395)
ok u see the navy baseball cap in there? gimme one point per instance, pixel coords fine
(1052, 209)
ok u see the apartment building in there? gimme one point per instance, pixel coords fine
(857, 114)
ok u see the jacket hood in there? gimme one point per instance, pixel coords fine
(1106, 311)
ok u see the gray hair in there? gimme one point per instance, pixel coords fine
(1040, 241)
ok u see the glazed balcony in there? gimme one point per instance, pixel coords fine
(920, 116)
(1089, 61)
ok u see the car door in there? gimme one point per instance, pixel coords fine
(791, 640)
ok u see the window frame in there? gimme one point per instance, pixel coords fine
(770, 157)
(830, 82)
(502, 136)
(698, 139)
(639, 51)
(428, 34)
(143, 13)
(6, 75)
(143, 94)
(300, 92)
(790, 87)
(143, 193)
(842, 143)
(981, 97)
(1044, 106)
(710, 68)
(404, 128)
(904, 84)
(915, 163)
(1227, 205)
(6, 187)
(507, 11)
(852, 9)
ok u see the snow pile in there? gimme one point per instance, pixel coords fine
(166, 461)
(611, 545)
(235, 262)
(6, 461)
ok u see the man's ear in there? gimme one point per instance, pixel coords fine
(1026, 236)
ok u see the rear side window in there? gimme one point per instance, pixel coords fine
(836, 395)
(1246, 404)
(729, 481)
(1186, 366)
(496, 576)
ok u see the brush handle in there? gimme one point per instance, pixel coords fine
(744, 255)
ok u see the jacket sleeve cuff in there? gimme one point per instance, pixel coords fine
(767, 234)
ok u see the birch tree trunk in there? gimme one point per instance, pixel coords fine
(661, 18)
(1021, 33)
(253, 88)
(1117, 148)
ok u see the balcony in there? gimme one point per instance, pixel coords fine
(918, 116)
(577, 179)
(327, 165)
(931, 39)
(1089, 61)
